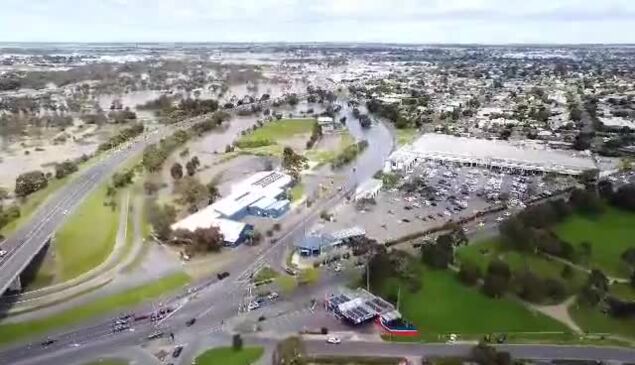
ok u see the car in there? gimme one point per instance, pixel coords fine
(337, 268)
(190, 322)
(405, 220)
(334, 340)
(290, 271)
(48, 342)
(177, 351)
(222, 275)
(3, 253)
(253, 306)
(273, 296)
(155, 335)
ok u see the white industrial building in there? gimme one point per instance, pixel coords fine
(489, 153)
(260, 194)
(368, 189)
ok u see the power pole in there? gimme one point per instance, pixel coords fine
(368, 275)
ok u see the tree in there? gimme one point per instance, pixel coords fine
(191, 191)
(190, 167)
(628, 256)
(64, 169)
(633, 279)
(585, 201)
(293, 162)
(161, 218)
(469, 273)
(176, 171)
(150, 187)
(605, 189)
(624, 197)
(196, 162)
(497, 278)
(201, 239)
(585, 250)
(4, 194)
(555, 289)
(293, 99)
(516, 235)
(212, 191)
(237, 342)
(440, 254)
(30, 182)
(531, 287)
(121, 179)
(582, 142)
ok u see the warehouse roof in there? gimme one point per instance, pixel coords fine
(206, 218)
(496, 152)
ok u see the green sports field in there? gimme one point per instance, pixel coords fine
(227, 356)
(444, 305)
(609, 234)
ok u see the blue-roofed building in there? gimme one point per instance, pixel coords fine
(316, 244)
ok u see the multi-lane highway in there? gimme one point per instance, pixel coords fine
(27, 241)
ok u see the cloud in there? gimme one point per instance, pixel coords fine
(412, 21)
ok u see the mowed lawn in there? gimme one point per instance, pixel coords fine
(87, 237)
(444, 305)
(609, 234)
(593, 320)
(275, 131)
(227, 356)
(15, 331)
(406, 135)
(323, 156)
(482, 253)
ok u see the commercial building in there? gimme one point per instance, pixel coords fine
(328, 125)
(497, 154)
(315, 244)
(357, 306)
(617, 123)
(261, 194)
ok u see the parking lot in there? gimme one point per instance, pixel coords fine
(433, 193)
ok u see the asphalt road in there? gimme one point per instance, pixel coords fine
(535, 352)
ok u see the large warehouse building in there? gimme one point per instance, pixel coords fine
(261, 194)
(514, 156)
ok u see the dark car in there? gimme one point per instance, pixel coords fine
(177, 351)
(190, 322)
(222, 275)
(48, 342)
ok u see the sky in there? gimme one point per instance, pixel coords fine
(386, 21)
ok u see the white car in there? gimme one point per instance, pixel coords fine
(253, 306)
(3, 253)
(338, 268)
(273, 296)
(334, 340)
